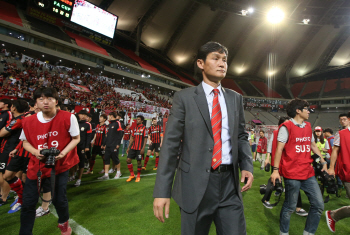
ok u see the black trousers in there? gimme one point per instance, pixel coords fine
(30, 199)
(220, 204)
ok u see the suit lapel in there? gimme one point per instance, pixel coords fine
(202, 104)
(230, 106)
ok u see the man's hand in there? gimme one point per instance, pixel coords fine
(158, 205)
(13, 152)
(275, 175)
(86, 149)
(267, 161)
(61, 155)
(324, 168)
(117, 146)
(37, 154)
(127, 151)
(250, 178)
(142, 151)
(103, 147)
(331, 171)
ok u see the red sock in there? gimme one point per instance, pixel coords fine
(157, 160)
(139, 171)
(17, 187)
(146, 160)
(131, 169)
(92, 163)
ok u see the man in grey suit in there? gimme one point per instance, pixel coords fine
(209, 119)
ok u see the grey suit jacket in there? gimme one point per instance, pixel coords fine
(189, 121)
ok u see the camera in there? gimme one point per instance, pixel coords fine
(50, 155)
(267, 190)
(329, 182)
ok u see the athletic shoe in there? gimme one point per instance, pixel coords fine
(104, 177)
(111, 171)
(130, 178)
(77, 184)
(2, 202)
(86, 165)
(88, 172)
(301, 212)
(143, 168)
(117, 176)
(137, 179)
(71, 178)
(65, 228)
(41, 212)
(277, 194)
(267, 205)
(261, 168)
(330, 221)
(102, 171)
(13, 203)
(122, 155)
(15, 208)
(155, 168)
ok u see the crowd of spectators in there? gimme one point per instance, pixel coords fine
(20, 79)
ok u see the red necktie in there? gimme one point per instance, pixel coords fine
(216, 127)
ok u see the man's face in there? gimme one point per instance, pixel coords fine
(304, 113)
(344, 121)
(262, 134)
(327, 134)
(139, 121)
(154, 122)
(46, 104)
(128, 127)
(2, 105)
(214, 67)
(102, 119)
(82, 117)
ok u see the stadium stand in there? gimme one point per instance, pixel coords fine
(230, 83)
(337, 87)
(87, 43)
(327, 119)
(296, 88)
(8, 12)
(248, 88)
(174, 73)
(115, 53)
(312, 89)
(266, 90)
(48, 29)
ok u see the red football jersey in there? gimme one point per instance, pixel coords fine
(262, 145)
(155, 132)
(139, 134)
(127, 134)
(296, 156)
(100, 134)
(46, 135)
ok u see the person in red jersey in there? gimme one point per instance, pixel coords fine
(295, 142)
(339, 166)
(261, 150)
(126, 138)
(47, 129)
(10, 134)
(97, 141)
(137, 148)
(155, 138)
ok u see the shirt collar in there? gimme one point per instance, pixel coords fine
(299, 125)
(208, 89)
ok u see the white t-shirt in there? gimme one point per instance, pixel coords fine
(73, 130)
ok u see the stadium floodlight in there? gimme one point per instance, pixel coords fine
(60, 60)
(250, 10)
(43, 55)
(3, 45)
(275, 15)
(271, 73)
(244, 12)
(306, 21)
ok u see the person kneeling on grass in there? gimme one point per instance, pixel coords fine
(293, 161)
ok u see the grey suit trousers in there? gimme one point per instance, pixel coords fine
(220, 204)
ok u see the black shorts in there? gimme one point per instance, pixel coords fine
(81, 154)
(135, 154)
(97, 150)
(111, 153)
(4, 158)
(155, 147)
(18, 163)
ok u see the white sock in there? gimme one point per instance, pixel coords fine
(118, 172)
(106, 174)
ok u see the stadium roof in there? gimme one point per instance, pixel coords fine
(257, 48)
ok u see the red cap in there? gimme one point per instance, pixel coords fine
(318, 128)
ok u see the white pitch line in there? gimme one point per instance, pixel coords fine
(94, 181)
(76, 228)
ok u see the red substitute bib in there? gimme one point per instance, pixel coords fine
(46, 135)
(296, 156)
(342, 168)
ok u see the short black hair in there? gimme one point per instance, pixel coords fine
(295, 104)
(127, 125)
(282, 120)
(47, 92)
(210, 47)
(32, 103)
(7, 101)
(343, 115)
(154, 118)
(63, 107)
(348, 114)
(262, 131)
(140, 116)
(114, 114)
(89, 115)
(328, 130)
(104, 116)
(20, 105)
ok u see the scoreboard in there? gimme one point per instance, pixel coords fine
(59, 8)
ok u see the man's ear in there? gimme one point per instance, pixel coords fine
(200, 63)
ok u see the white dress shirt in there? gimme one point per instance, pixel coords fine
(225, 132)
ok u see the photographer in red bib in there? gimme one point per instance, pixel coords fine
(49, 129)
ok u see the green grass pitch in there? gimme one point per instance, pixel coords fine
(118, 207)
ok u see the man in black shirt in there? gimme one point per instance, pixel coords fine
(10, 134)
(93, 126)
(112, 143)
(5, 113)
(83, 146)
